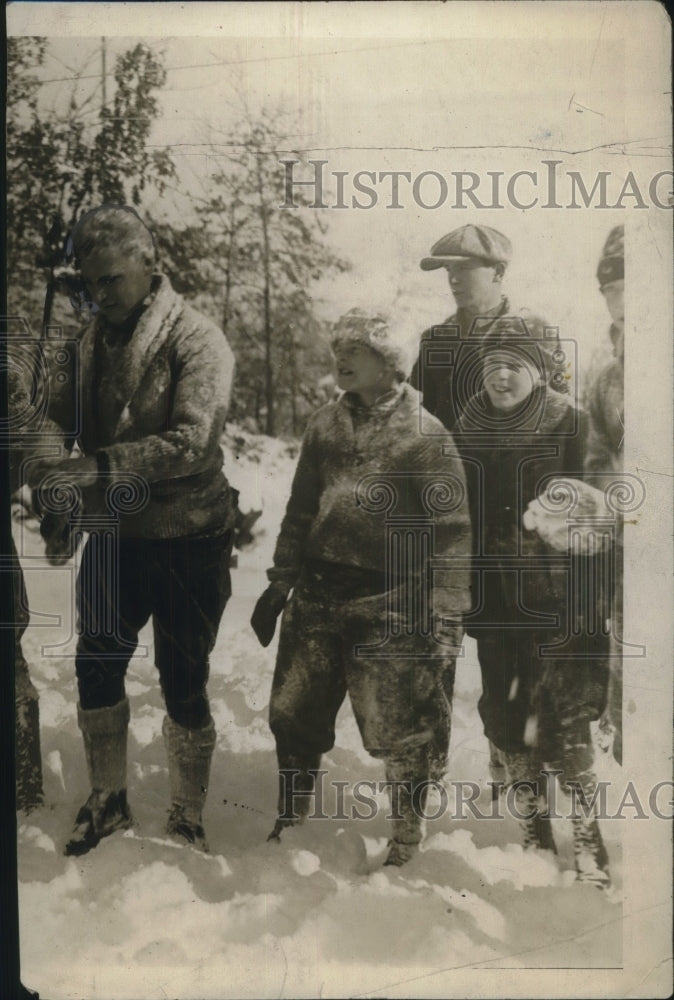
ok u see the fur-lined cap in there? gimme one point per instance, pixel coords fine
(375, 331)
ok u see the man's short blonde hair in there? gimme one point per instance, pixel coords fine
(112, 225)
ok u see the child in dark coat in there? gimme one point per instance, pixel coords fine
(374, 501)
(538, 618)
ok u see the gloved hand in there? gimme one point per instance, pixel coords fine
(269, 606)
(57, 531)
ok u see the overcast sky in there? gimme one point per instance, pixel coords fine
(413, 87)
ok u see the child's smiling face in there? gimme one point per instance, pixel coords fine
(509, 378)
(362, 370)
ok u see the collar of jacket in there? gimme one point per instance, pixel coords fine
(151, 331)
(383, 404)
(462, 316)
(550, 409)
(618, 341)
(121, 335)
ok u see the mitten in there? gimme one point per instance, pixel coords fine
(268, 608)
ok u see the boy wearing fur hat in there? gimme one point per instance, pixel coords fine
(542, 683)
(348, 626)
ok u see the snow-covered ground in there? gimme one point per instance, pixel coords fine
(314, 915)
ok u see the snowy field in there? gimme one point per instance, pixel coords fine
(314, 915)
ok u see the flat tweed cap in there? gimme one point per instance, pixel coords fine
(469, 242)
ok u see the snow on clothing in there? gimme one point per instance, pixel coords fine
(330, 633)
(507, 462)
(333, 552)
(345, 445)
(450, 375)
(153, 404)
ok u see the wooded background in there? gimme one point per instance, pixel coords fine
(241, 258)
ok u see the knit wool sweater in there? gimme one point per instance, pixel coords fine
(152, 410)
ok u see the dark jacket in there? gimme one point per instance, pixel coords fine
(606, 409)
(523, 592)
(448, 372)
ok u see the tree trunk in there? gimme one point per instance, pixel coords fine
(228, 271)
(293, 383)
(268, 374)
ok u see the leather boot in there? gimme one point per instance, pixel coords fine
(590, 855)
(297, 781)
(407, 772)
(537, 828)
(104, 731)
(189, 754)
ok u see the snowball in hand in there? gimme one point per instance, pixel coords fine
(570, 504)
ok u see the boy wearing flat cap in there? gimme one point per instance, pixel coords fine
(475, 258)
(542, 683)
(350, 624)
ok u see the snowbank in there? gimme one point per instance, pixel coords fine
(316, 914)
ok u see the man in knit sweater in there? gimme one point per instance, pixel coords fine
(377, 511)
(149, 399)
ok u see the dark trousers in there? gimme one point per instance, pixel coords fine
(563, 696)
(184, 585)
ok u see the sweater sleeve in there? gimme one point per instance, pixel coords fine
(204, 367)
(299, 516)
